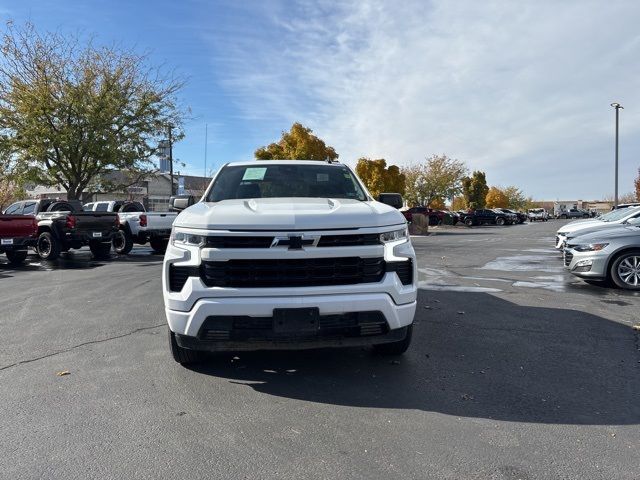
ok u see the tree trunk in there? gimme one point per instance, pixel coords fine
(73, 193)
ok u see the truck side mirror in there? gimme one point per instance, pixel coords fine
(178, 203)
(392, 199)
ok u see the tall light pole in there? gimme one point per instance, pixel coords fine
(617, 106)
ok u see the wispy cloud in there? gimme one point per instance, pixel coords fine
(520, 89)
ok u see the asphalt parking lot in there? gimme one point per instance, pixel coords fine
(517, 371)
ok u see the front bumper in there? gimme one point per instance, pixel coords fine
(561, 240)
(190, 322)
(188, 309)
(291, 343)
(586, 264)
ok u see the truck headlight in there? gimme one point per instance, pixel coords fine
(179, 238)
(395, 235)
(590, 247)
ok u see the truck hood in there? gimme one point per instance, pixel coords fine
(288, 214)
(608, 234)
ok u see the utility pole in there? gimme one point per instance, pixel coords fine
(206, 134)
(171, 158)
(617, 106)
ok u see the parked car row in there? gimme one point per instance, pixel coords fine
(496, 216)
(487, 216)
(51, 227)
(606, 248)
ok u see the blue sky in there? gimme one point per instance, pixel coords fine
(518, 89)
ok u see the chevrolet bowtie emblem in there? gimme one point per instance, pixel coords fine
(294, 242)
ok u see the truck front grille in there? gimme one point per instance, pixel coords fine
(352, 324)
(239, 242)
(404, 270)
(349, 240)
(178, 276)
(292, 272)
(288, 273)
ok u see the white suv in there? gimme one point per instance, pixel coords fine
(286, 254)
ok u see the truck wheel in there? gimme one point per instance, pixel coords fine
(100, 249)
(625, 270)
(122, 242)
(395, 348)
(48, 247)
(563, 217)
(159, 245)
(500, 221)
(16, 257)
(468, 222)
(183, 356)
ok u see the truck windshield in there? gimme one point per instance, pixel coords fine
(278, 180)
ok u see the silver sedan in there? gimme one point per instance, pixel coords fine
(610, 254)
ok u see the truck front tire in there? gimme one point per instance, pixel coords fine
(48, 247)
(183, 356)
(395, 348)
(16, 257)
(122, 242)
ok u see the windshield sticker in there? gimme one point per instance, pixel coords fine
(322, 177)
(254, 173)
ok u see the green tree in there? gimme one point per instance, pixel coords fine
(11, 180)
(440, 177)
(475, 189)
(72, 112)
(496, 198)
(515, 197)
(637, 185)
(379, 178)
(297, 144)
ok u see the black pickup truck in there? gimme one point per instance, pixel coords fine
(63, 225)
(482, 216)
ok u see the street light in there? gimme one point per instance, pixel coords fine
(617, 106)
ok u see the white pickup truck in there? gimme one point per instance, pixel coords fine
(537, 214)
(285, 254)
(136, 225)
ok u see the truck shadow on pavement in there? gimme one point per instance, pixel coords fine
(473, 355)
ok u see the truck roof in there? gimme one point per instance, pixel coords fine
(281, 162)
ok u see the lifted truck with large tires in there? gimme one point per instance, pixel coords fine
(63, 225)
(136, 225)
(17, 234)
(287, 254)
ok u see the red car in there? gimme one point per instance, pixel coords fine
(17, 234)
(436, 217)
